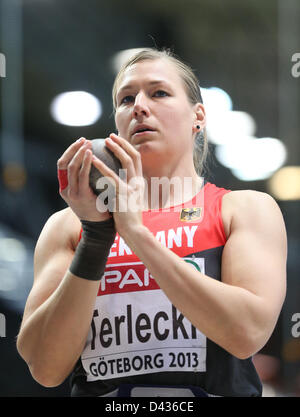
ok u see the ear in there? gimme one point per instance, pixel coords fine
(199, 117)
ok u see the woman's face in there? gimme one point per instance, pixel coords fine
(153, 112)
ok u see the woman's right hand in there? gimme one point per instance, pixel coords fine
(74, 166)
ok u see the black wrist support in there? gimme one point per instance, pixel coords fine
(93, 249)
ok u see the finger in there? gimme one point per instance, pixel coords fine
(62, 163)
(68, 155)
(106, 172)
(123, 156)
(62, 175)
(83, 180)
(73, 169)
(131, 151)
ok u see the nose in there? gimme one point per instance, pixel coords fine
(140, 107)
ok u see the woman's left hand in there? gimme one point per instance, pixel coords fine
(129, 189)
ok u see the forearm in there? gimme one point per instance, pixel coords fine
(59, 310)
(53, 336)
(228, 315)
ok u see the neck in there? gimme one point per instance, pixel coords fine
(167, 189)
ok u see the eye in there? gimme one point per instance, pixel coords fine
(127, 99)
(160, 93)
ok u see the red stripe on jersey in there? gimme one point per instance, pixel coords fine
(124, 271)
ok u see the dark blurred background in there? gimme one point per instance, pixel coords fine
(245, 55)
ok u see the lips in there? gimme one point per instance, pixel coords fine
(142, 128)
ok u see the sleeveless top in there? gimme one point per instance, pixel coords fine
(138, 337)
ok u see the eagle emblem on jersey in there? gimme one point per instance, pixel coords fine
(190, 214)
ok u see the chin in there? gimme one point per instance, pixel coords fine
(144, 146)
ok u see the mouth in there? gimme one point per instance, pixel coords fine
(142, 130)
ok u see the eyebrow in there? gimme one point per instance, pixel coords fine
(130, 86)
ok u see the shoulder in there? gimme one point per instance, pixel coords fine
(52, 256)
(62, 228)
(244, 199)
(249, 207)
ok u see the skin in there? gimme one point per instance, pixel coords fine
(239, 313)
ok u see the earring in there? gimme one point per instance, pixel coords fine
(198, 127)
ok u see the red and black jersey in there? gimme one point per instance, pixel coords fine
(137, 336)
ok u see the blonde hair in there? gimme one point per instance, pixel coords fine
(191, 86)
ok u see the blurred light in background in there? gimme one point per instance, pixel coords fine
(76, 108)
(249, 158)
(229, 126)
(16, 267)
(285, 183)
(216, 101)
(252, 158)
(11, 250)
(14, 176)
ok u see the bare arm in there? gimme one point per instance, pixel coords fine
(240, 312)
(59, 308)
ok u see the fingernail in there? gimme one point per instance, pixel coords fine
(80, 140)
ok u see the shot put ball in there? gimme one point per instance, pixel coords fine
(101, 151)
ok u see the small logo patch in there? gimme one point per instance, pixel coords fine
(190, 214)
